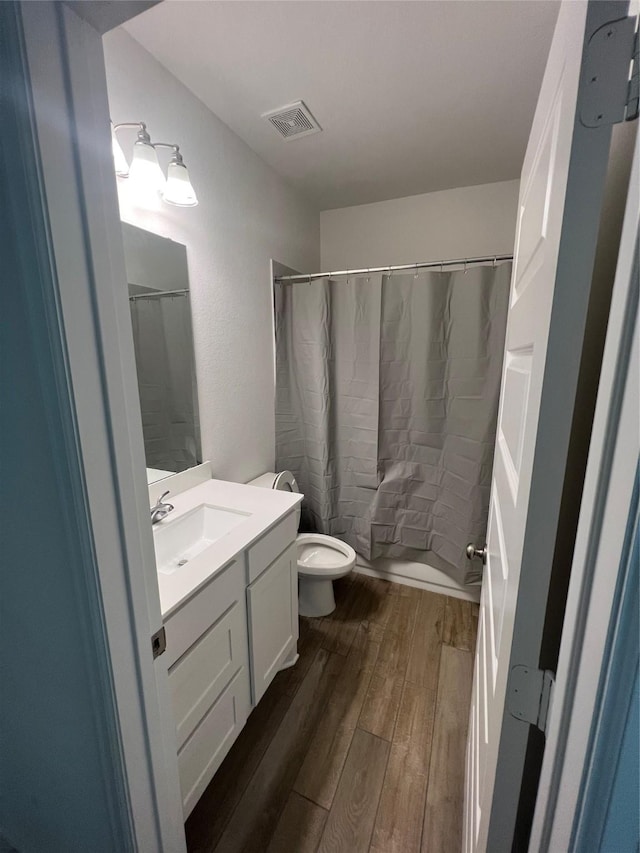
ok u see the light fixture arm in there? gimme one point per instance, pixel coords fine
(139, 124)
(177, 156)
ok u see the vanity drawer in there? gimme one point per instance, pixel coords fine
(198, 613)
(200, 676)
(271, 545)
(205, 750)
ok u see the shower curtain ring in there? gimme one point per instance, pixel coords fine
(495, 263)
(415, 275)
(465, 266)
(441, 267)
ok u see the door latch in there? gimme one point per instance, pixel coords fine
(159, 643)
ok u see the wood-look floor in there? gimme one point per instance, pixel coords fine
(360, 747)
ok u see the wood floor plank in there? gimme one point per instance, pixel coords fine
(385, 689)
(380, 709)
(300, 827)
(381, 602)
(311, 638)
(363, 601)
(320, 773)
(442, 830)
(403, 589)
(394, 650)
(424, 658)
(398, 826)
(350, 822)
(460, 623)
(339, 628)
(257, 813)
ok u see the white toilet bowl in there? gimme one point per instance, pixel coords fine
(321, 559)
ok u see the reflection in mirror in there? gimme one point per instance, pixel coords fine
(163, 340)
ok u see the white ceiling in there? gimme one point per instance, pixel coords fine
(412, 96)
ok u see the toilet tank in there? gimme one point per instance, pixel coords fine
(264, 481)
(268, 481)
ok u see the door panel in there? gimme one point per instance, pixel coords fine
(559, 212)
(573, 791)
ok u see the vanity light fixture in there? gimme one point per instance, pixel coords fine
(119, 160)
(178, 189)
(145, 172)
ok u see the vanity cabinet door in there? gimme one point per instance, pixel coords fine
(205, 750)
(272, 603)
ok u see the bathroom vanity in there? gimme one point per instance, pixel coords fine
(227, 575)
(225, 556)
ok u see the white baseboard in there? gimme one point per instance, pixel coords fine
(418, 575)
(292, 660)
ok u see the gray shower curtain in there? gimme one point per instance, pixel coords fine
(386, 404)
(163, 346)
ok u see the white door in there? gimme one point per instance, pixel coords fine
(601, 546)
(559, 209)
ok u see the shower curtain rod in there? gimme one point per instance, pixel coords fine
(158, 293)
(303, 279)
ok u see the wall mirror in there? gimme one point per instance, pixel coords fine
(163, 340)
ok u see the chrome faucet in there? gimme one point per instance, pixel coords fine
(160, 510)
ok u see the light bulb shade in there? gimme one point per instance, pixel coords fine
(178, 189)
(119, 160)
(145, 173)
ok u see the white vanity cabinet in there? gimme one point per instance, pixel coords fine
(208, 677)
(225, 644)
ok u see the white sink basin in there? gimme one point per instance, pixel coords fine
(177, 542)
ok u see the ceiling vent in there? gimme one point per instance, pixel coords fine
(293, 121)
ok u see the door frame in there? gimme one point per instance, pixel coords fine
(89, 324)
(595, 598)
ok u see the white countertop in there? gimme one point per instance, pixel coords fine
(266, 508)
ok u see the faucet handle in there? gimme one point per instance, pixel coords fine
(160, 500)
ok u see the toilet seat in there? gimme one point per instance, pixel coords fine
(285, 482)
(324, 556)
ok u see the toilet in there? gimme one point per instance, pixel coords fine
(321, 559)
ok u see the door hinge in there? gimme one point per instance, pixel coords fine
(159, 643)
(609, 86)
(529, 694)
